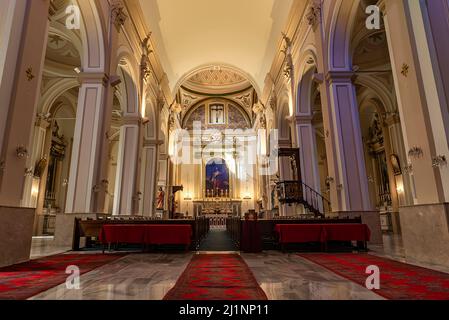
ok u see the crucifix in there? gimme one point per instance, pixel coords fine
(216, 114)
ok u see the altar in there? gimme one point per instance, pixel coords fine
(230, 207)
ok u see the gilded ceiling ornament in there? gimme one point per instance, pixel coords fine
(118, 15)
(145, 69)
(439, 161)
(263, 121)
(314, 14)
(288, 44)
(273, 102)
(405, 69)
(146, 44)
(29, 73)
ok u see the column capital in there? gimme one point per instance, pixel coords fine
(306, 119)
(93, 77)
(392, 119)
(130, 120)
(41, 122)
(147, 143)
(340, 76)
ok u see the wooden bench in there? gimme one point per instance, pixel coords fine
(91, 228)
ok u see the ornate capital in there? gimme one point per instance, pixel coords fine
(314, 14)
(263, 121)
(145, 68)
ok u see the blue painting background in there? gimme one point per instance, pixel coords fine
(217, 175)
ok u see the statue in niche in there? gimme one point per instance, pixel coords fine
(375, 131)
(160, 199)
(40, 167)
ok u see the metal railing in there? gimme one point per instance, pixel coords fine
(299, 192)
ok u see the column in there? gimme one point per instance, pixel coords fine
(351, 182)
(20, 85)
(89, 138)
(126, 195)
(149, 178)
(412, 103)
(420, 80)
(32, 183)
(307, 150)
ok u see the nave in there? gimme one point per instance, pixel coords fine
(239, 149)
(134, 275)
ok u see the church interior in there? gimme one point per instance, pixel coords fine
(224, 150)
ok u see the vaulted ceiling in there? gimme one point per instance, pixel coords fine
(239, 33)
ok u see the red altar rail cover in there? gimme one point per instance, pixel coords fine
(301, 233)
(146, 234)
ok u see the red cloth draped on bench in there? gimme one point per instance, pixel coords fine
(301, 233)
(146, 234)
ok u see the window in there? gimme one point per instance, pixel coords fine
(216, 114)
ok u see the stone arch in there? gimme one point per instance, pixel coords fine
(129, 88)
(208, 65)
(93, 54)
(341, 24)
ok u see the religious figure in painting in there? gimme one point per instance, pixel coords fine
(217, 178)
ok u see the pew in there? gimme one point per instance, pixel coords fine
(91, 228)
(268, 235)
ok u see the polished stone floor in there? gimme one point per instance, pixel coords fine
(149, 276)
(133, 277)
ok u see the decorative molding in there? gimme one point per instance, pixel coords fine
(415, 152)
(439, 161)
(405, 69)
(21, 152)
(314, 14)
(118, 15)
(29, 74)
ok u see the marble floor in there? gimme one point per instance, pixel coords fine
(44, 246)
(133, 277)
(139, 276)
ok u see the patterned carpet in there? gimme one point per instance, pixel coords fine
(398, 281)
(216, 277)
(22, 281)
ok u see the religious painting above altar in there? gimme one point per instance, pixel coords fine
(217, 178)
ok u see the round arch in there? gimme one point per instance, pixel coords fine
(339, 34)
(93, 36)
(209, 65)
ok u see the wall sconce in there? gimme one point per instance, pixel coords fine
(340, 187)
(329, 180)
(415, 152)
(21, 152)
(400, 188)
(439, 161)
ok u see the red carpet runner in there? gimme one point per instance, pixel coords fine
(398, 281)
(216, 277)
(22, 281)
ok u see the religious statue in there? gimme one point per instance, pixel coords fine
(160, 199)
